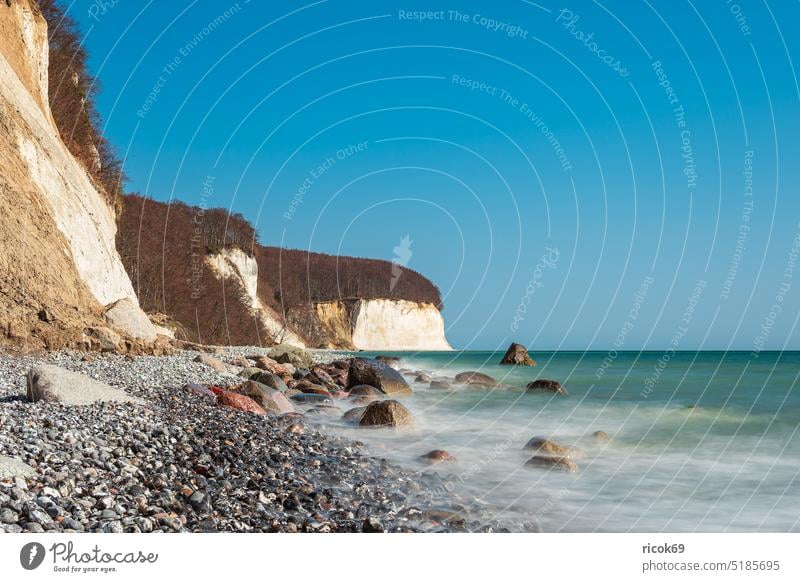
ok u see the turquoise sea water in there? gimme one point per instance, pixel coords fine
(701, 441)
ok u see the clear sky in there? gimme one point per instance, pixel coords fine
(571, 175)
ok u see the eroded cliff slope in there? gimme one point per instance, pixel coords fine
(59, 268)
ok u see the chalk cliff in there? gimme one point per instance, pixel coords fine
(383, 324)
(59, 268)
(241, 271)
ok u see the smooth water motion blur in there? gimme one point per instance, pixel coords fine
(700, 441)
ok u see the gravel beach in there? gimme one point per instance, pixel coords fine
(180, 462)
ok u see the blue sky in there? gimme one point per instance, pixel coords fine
(571, 175)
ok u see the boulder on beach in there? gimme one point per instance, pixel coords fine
(127, 316)
(318, 375)
(53, 384)
(270, 365)
(386, 413)
(272, 380)
(266, 397)
(104, 339)
(237, 401)
(547, 386)
(289, 354)
(547, 462)
(386, 379)
(212, 362)
(11, 467)
(545, 446)
(476, 379)
(437, 456)
(250, 372)
(517, 355)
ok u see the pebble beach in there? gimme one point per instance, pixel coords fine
(176, 461)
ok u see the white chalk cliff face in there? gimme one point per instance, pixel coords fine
(73, 201)
(241, 270)
(387, 324)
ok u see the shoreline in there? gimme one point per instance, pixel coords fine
(179, 462)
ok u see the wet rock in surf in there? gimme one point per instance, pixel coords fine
(476, 379)
(423, 378)
(547, 447)
(517, 355)
(319, 375)
(374, 373)
(304, 398)
(364, 400)
(547, 386)
(438, 456)
(307, 387)
(601, 436)
(441, 385)
(554, 463)
(365, 390)
(386, 413)
(354, 415)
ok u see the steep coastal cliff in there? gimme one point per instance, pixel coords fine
(205, 270)
(383, 324)
(79, 259)
(59, 269)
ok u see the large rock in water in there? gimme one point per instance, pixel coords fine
(517, 355)
(476, 379)
(547, 386)
(127, 316)
(53, 384)
(377, 374)
(386, 413)
(546, 462)
(547, 447)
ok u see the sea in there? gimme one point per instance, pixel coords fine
(699, 441)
